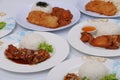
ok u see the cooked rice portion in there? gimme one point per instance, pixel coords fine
(31, 41)
(93, 70)
(42, 6)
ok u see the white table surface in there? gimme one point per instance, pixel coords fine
(11, 7)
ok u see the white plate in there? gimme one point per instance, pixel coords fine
(74, 40)
(72, 66)
(61, 50)
(21, 17)
(81, 6)
(10, 25)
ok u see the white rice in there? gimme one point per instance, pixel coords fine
(93, 70)
(31, 41)
(106, 28)
(47, 9)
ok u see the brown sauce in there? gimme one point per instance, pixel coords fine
(26, 56)
(19, 61)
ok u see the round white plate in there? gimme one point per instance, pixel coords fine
(81, 6)
(10, 25)
(72, 66)
(74, 39)
(21, 17)
(61, 50)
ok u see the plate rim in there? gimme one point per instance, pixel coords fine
(93, 14)
(10, 30)
(83, 49)
(39, 68)
(48, 29)
(76, 60)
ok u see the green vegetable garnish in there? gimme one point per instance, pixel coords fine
(85, 78)
(110, 77)
(2, 25)
(46, 46)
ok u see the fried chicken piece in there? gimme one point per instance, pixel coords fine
(101, 41)
(86, 37)
(105, 41)
(43, 19)
(116, 39)
(101, 7)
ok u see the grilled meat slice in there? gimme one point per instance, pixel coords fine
(26, 55)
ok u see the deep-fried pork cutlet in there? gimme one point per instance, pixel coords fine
(43, 19)
(101, 7)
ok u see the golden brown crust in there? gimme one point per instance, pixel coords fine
(101, 7)
(43, 19)
(105, 41)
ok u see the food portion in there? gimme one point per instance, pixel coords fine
(104, 41)
(107, 35)
(89, 29)
(42, 6)
(64, 16)
(50, 17)
(106, 28)
(26, 56)
(101, 7)
(32, 49)
(2, 25)
(42, 19)
(71, 76)
(116, 3)
(46, 46)
(31, 41)
(110, 77)
(91, 70)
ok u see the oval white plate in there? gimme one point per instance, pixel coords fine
(74, 40)
(72, 66)
(81, 6)
(10, 25)
(21, 17)
(61, 50)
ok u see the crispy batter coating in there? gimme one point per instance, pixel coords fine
(86, 37)
(101, 41)
(43, 19)
(101, 7)
(58, 18)
(105, 41)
